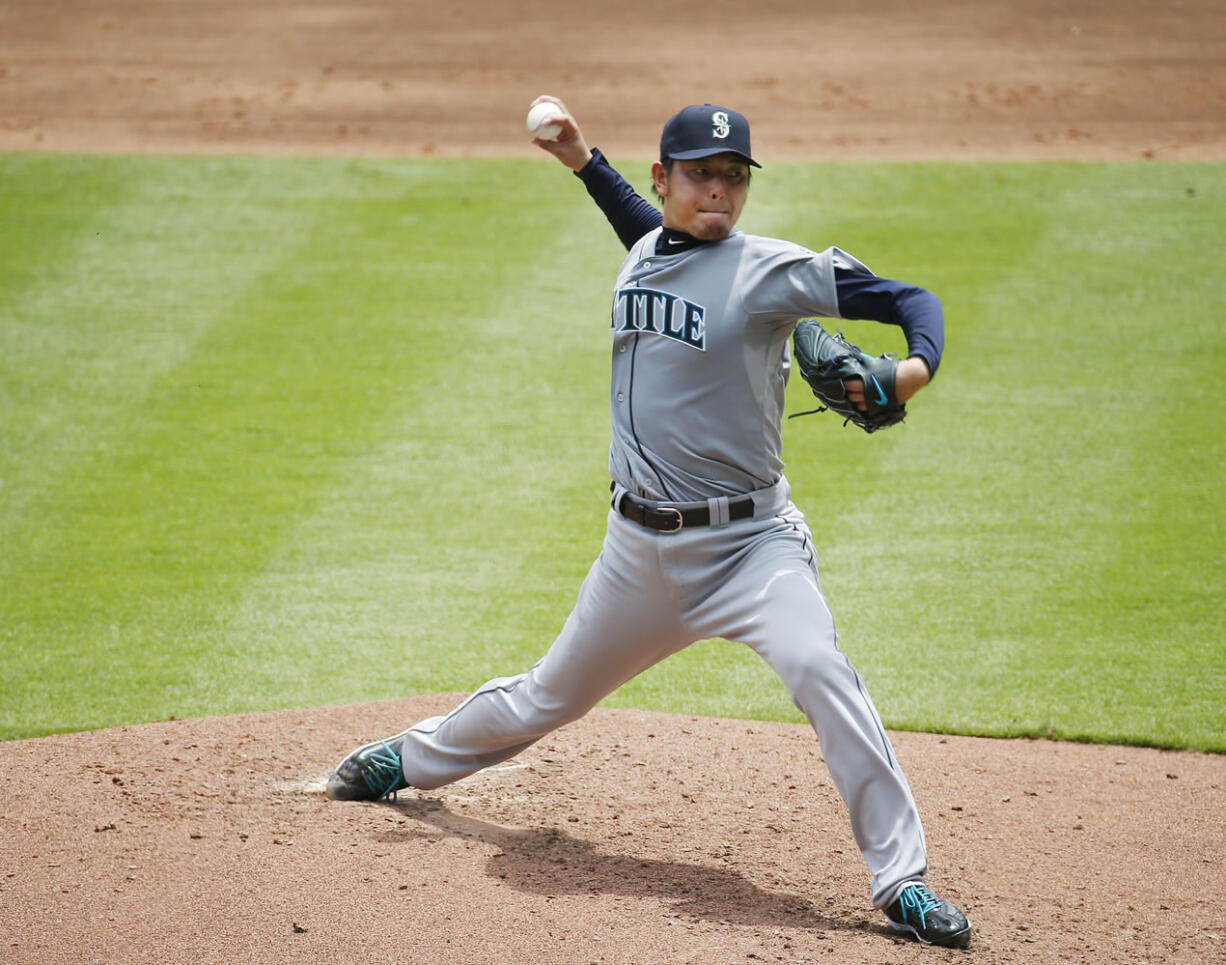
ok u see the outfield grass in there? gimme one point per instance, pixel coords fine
(289, 432)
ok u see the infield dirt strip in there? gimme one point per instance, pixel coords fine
(626, 837)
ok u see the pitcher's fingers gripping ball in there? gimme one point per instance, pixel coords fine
(555, 131)
(827, 362)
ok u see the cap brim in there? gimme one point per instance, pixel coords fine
(710, 152)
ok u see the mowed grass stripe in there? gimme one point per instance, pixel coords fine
(88, 320)
(120, 569)
(1060, 576)
(1091, 593)
(398, 424)
(112, 568)
(104, 477)
(451, 549)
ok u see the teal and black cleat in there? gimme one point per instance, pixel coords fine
(931, 919)
(371, 773)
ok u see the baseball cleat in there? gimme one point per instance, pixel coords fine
(370, 773)
(931, 919)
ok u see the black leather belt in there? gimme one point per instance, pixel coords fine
(669, 519)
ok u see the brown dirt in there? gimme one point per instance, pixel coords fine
(627, 837)
(878, 78)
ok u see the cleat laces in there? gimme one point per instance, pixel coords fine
(915, 902)
(382, 772)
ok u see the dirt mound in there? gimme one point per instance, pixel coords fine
(624, 838)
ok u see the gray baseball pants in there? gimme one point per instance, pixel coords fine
(649, 595)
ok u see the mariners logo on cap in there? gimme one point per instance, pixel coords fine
(701, 130)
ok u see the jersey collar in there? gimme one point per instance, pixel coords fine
(672, 241)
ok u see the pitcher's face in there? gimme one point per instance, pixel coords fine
(703, 197)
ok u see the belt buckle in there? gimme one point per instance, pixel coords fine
(677, 513)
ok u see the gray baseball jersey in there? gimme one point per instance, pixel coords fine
(697, 404)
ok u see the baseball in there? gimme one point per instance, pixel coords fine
(536, 118)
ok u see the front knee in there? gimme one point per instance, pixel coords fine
(812, 667)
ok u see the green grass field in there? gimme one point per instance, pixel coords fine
(290, 432)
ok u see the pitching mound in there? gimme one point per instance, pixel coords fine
(625, 838)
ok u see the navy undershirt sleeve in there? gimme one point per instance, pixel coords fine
(915, 310)
(630, 214)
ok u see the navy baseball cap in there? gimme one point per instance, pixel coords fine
(701, 130)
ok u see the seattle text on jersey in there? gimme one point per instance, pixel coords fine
(647, 310)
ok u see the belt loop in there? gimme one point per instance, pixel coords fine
(618, 492)
(717, 506)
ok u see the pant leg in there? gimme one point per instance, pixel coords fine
(623, 622)
(772, 601)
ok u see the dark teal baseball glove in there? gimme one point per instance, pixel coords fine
(827, 361)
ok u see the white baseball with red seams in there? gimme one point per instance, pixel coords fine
(537, 117)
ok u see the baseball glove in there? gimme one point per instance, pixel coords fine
(827, 361)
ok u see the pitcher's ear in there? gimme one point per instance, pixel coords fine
(659, 178)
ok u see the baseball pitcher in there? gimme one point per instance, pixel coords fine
(703, 539)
